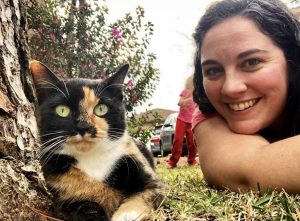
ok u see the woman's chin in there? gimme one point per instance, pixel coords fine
(244, 128)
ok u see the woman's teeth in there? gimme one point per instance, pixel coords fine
(242, 106)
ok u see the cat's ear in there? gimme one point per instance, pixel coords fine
(119, 76)
(44, 79)
(114, 84)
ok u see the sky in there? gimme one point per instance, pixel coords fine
(174, 22)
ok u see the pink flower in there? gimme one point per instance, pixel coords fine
(53, 37)
(83, 67)
(93, 67)
(133, 98)
(117, 34)
(129, 84)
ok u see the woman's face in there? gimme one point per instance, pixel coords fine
(244, 75)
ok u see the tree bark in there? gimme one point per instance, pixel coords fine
(22, 189)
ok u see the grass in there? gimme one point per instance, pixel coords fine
(189, 198)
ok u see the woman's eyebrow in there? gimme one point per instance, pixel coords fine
(208, 62)
(239, 56)
(250, 52)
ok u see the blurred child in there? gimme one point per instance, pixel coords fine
(183, 126)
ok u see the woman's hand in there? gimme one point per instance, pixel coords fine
(184, 101)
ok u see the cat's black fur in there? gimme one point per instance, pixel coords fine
(91, 165)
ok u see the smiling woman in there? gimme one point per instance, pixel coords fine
(247, 71)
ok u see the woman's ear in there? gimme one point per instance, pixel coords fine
(44, 79)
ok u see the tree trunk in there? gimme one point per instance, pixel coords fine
(22, 190)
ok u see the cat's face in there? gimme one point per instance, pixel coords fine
(78, 112)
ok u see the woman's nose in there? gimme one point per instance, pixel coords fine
(234, 84)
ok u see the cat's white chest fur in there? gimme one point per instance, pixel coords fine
(98, 162)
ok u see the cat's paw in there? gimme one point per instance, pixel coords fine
(128, 216)
(87, 211)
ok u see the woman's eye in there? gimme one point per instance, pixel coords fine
(100, 110)
(62, 110)
(213, 72)
(251, 63)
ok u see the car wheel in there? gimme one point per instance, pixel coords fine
(154, 154)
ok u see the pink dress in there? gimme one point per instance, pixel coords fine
(185, 112)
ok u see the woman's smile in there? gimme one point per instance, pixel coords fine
(241, 106)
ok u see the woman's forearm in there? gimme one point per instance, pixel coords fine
(241, 161)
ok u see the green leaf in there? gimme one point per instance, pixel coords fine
(262, 201)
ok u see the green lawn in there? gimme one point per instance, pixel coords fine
(189, 198)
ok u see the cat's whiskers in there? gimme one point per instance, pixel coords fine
(66, 89)
(46, 155)
(106, 98)
(134, 160)
(115, 128)
(98, 87)
(120, 132)
(116, 133)
(49, 151)
(106, 141)
(115, 137)
(100, 135)
(55, 87)
(52, 133)
(50, 145)
(51, 148)
(124, 159)
(51, 140)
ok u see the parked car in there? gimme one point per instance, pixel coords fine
(155, 141)
(167, 135)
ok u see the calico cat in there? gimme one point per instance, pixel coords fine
(94, 169)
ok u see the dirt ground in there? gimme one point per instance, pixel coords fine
(163, 161)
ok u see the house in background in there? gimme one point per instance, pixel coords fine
(162, 113)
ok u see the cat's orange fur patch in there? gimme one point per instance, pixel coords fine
(88, 104)
(75, 184)
(36, 67)
(89, 101)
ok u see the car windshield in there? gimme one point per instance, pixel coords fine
(171, 119)
(157, 129)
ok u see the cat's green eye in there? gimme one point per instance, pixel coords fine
(62, 110)
(100, 110)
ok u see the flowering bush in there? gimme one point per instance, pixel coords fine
(77, 42)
